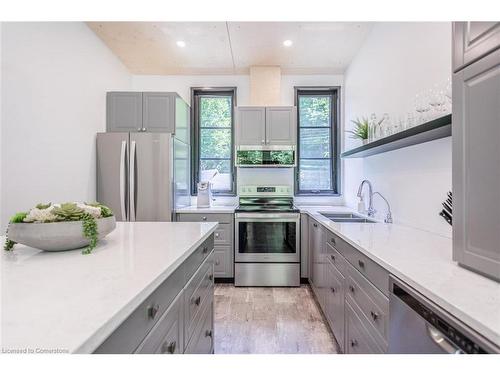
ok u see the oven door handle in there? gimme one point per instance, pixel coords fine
(267, 216)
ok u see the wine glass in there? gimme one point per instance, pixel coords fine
(437, 101)
(422, 107)
(448, 95)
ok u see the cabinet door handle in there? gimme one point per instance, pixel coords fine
(217, 235)
(197, 301)
(333, 240)
(351, 288)
(210, 277)
(374, 315)
(168, 347)
(315, 225)
(333, 257)
(217, 262)
(208, 333)
(354, 343)
(205, 250)
(204, 218)
(361, 264)
(152, 311)
(333, 290)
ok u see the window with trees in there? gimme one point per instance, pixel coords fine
(317, 170)
(213, 139)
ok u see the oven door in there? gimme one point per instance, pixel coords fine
(267, 237)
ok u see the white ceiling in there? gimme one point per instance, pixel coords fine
(232, 47)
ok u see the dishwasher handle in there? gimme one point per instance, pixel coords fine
(442, 341)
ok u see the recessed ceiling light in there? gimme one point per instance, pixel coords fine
(181, 43)
(287, 43)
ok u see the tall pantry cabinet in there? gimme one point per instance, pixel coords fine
(476, 146)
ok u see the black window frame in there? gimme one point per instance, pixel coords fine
(196, 93)
(335, 141)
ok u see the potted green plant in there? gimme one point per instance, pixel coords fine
(360, 131)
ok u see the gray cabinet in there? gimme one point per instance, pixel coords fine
(124, 111)
(224, 240)
(335, 301)
(472, 41)
(315, 252)
(476, 160)
(304, 246)
(280, 125)
(259, 126)
(163, 112)
(169, 320)
(251, 126)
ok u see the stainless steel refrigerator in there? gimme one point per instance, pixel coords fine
(142, 176)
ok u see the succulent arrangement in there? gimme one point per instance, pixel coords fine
(361, 129)
(87, 213)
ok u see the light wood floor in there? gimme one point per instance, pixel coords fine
(268, 321)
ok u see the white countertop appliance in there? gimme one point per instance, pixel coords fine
(204, 198)
(267, 233)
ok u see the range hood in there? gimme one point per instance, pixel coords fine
(265, 157)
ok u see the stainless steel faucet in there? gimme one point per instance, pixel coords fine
(388, 215)
(371, 211)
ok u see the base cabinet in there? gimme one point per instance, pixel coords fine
(351, 291)
(177, 317)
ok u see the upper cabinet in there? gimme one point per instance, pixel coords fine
(160, 112)
(473, 40)
(476, 157)
(251, 126)
(266, 126)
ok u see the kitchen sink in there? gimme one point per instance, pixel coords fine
(346, 218)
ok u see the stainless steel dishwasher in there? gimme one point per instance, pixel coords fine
(418, 326)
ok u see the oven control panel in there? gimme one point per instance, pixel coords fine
(265, 191)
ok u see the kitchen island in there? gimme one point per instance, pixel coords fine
(67, 302)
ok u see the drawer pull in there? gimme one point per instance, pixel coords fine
(333, 290)
(208, 333)
(210, 277)
(197, 301)
(217, 262)
(354, 343)
(351, 288)
(204, 218)
(217, 235)
(315, 225)
(361, 264)
(374, 315)
(333, 240)
(205, 250)
(333, 257)
(152, 311)
(168, 347)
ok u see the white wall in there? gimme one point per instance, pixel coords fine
(54, 80)
(183, 83)
(397, 61)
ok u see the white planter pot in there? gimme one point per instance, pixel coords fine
(60, 236)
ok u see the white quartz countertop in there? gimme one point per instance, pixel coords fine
(206, 210)
(69, 302)
(423, 260)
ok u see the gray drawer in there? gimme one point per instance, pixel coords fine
(368, 268)
(223, 261)
(197, 257)
(337, 259)
(223, 234)
(202, 341)
(220, 218)
(127, 337)
(358, 337)
(166, 335)
(371, 302)
(196, 293)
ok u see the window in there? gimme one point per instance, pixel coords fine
(317, 172)
(212, 139)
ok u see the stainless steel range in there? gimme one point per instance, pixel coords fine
(267, 232)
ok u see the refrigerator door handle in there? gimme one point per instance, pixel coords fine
(123, 154)
(132, 180)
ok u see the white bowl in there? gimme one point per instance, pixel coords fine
(59, 236)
